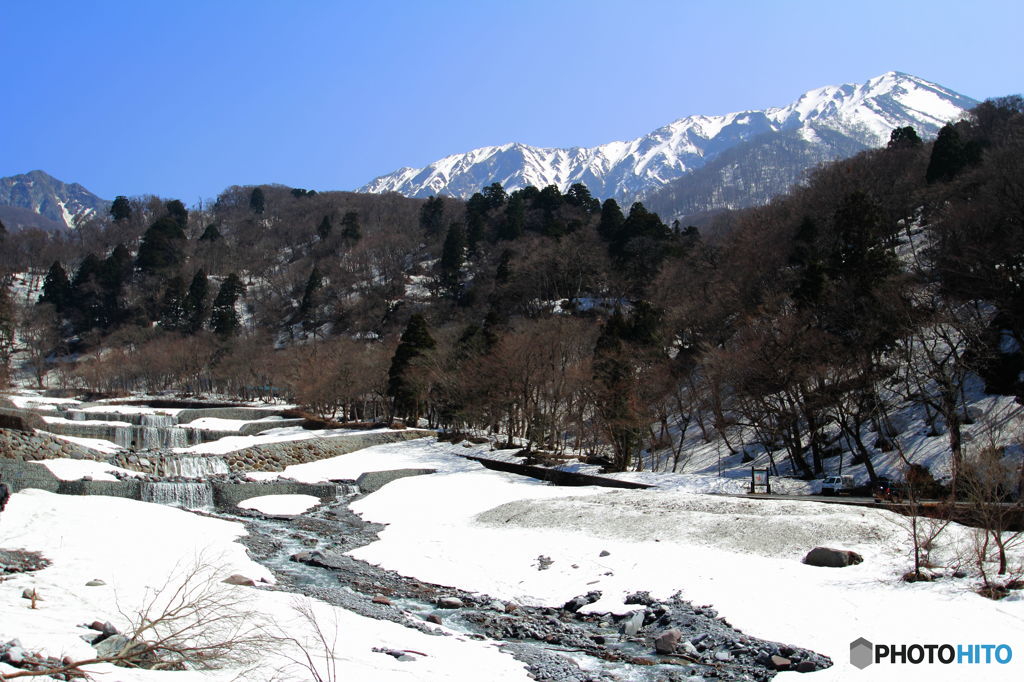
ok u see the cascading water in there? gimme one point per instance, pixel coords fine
(193, 467)
(190, 495)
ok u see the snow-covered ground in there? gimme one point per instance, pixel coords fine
(483, 530)
(228, 444)
(134, 547)
(76, 469)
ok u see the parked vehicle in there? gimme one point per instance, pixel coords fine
(889, 491)
(838, 485)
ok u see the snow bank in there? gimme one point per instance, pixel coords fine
(133, 547)
(485, 531)
(76, 469)
(281, 435)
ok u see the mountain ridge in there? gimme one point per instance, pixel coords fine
(865, 113)
(56, 203)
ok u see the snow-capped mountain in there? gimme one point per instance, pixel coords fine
(37, 199)
(864, 115)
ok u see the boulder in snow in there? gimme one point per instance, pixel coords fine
(832, 558)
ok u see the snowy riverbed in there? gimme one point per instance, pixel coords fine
(484, 531)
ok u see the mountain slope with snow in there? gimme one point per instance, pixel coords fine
(863, 115)
(39, 194)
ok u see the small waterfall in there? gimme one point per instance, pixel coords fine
(175, 494)
(158, 420)
(123, 436)
(194, 467)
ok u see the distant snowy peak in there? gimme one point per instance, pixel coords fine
(43, 195)
(865, 113)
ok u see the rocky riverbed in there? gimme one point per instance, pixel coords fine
(668, 639)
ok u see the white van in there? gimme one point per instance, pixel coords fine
(837, 485)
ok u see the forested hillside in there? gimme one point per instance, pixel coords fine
(554, 320)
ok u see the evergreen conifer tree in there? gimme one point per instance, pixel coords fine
(172, 307)
(432, 216)
(948, 156)
(162, 248)
(194, 308)
(415, 341)
(211, 234)
(223, 316)
(323, 230)
(350, 230)
(257, 202)
(56, 288)
(314, 284)
(453, 255)
(121, 208)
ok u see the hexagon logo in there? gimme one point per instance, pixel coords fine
(861, 653)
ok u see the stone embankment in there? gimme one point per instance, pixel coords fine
(16, 444)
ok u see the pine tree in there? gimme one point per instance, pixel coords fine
(948, 156)
(350, 230)
(515, 218)
(453, 256)
(56, 288)
(121, 208)
(162, 248)
(323, 230)
(224, 317)
(115, 276)
(257, 202)
(211, 234)
(177, 212)
(172, 307)
(495, 195)
(86, 295)
(309, 297)
(415, 341)
(432, 216)
(904, 138)
(611, 220)
(194, 309)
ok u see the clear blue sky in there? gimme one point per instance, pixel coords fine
(185, 98)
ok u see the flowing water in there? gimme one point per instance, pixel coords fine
(187, 495)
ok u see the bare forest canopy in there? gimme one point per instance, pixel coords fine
(554, 319)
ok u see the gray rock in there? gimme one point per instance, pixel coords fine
(239, 579)
(111, 646)
(806, 667)
(95, 582)
(450, 603)
(832, 558)
(666, 642)
(633, 624)
(15, 655)
(30, 593)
